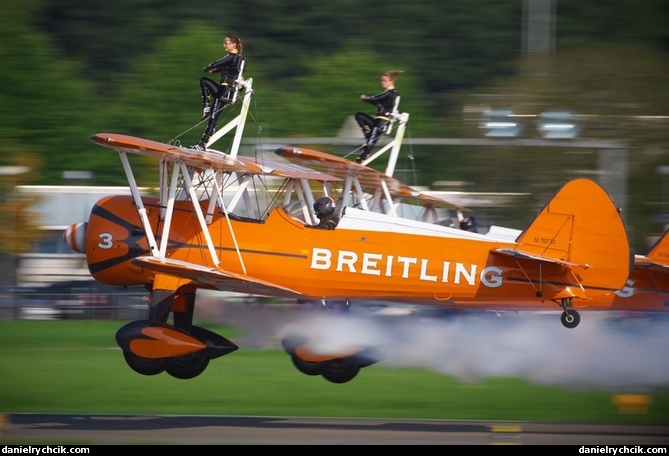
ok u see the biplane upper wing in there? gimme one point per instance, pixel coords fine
(369, 178)
(207, 159)
(222, 280)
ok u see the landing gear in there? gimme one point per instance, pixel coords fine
(307, 367)
(183, 355)
(340, 370)
(187, 367)
(145, 366)
(569, 318)
(333, 368)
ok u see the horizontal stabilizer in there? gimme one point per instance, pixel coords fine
(659, 254)
(520, 254)
(223, 280)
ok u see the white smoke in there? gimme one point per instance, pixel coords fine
(596, 354)
(604, 351)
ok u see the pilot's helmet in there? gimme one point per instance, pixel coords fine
(324, 206)
(469, 224)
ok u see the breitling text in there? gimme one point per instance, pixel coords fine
(377, 264)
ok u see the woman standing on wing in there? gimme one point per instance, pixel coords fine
(215, 96)
(374, 127)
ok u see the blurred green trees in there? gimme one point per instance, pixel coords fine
(71, 69)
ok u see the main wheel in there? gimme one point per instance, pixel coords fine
(145, 366)
(340, 371)
(570, 318)
(307, 367)
(187, 367)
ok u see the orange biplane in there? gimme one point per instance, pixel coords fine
(205, 231)
(575, 250)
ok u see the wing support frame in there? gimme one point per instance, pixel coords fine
(188, 183)
(394, 147)
(169, 210)
(141, 210)
(352, 184)
(239, 121)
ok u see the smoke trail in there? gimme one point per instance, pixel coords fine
(599, 353)
(602, 352)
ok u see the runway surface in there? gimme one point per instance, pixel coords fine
(76, 429)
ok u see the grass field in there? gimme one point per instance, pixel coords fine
(75, 366)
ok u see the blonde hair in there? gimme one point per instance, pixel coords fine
(392, 74)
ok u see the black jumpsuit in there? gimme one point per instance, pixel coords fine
(374, 127)
(328, 222)
(222, 94)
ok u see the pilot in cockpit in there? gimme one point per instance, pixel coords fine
(469, 224)
(324, 207)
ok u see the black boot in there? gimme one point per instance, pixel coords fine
(364, 154)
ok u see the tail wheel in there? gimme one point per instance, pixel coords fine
(340, 371)
(145, 366)
(570, 318)
(187, 367)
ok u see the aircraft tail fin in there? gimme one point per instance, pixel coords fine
(581, 227)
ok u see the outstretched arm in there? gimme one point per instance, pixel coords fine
(218, 65)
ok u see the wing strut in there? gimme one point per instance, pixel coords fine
(391, 203)
(219, 196)
(198, 210)
(141, 210)
(168, 214)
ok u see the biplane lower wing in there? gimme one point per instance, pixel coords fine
(217, 278)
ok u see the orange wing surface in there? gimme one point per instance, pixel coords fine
(369, 178)
(206, 159)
